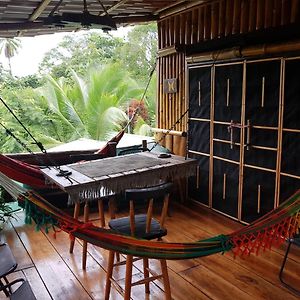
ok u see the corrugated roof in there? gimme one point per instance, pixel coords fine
(27, 18)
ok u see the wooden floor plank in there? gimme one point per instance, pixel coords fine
(60, 281)
(53, 272)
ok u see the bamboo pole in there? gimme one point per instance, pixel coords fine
(280, 133)
(188, 28)
(294, 11)
(236, 16)
(222, 12)
(182, 148)
(252, 15)
(171, 132)
(159, 31)
(229, 17)
(169, 142)
(194, 26)
(268, 13)
(207, 22)
(260, 14)
(244, 16)
(200, 24)
(276, 13)
(176, 144)
(214, 20)
(176, 29)
(285, 12)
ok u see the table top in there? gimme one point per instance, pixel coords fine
(98, 178)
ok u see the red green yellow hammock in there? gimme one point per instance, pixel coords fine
(270, 230)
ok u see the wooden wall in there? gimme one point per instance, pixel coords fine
(209, 21)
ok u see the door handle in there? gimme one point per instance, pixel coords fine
(248, 135)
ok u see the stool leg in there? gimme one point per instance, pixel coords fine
(146, 274)
(128, 277)
(101, 212)
(164, 270)
(84, 247)
(110, 267)
(76, 214)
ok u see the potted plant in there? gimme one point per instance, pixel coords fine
(6, 210)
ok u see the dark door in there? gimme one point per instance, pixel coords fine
(199, 130)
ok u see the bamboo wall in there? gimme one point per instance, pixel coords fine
(204, 22)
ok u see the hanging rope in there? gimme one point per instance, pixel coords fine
(143, 96)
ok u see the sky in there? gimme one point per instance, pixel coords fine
(33, 49)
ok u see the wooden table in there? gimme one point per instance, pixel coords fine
(93, 180)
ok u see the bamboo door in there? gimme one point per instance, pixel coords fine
(199, 93)
(227, 102)
(261, 127)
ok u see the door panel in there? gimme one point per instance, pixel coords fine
(199, 92)
(291, 117)
(288, 186)
(225, 187)
(290, 162)
(199, 184)
(262, 93)
(199, 134)
(228, 93)
(258, 193)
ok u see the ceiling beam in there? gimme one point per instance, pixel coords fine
(39, 10)
(113, 7)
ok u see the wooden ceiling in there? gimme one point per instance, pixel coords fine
(27, 18)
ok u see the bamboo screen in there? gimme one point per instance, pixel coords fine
(204, 22)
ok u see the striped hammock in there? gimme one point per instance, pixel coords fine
(270, 230)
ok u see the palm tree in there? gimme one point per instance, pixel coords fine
(92, 107)
(10, 47)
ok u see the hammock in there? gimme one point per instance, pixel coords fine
(270, 230)
(31, 175)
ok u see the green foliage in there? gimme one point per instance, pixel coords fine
(5, 210)
(85, 89)
(139, 53)
(80, 54)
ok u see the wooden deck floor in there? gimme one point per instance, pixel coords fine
(55, 274)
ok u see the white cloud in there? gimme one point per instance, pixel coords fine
(33, 49)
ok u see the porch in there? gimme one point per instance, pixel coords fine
(53, 273)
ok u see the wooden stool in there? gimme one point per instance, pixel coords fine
(145, 227)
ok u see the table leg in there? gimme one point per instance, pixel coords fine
(84, 247)
(76, 214)
(101, 212)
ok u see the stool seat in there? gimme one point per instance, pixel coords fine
(122, 225)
